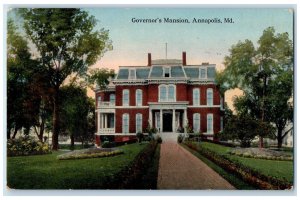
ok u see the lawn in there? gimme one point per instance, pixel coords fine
(46, 172)
(283, 170)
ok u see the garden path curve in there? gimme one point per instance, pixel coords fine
(179, 169)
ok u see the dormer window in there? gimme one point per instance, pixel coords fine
(132, 74)
(167, 72)
(202, 73)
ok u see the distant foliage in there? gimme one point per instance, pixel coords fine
(25, 146)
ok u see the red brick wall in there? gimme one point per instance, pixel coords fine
(153, 93)
(132, 89)
(203, 90)
(104, 96)
(203, 117)
(132, 121)
(181, 92)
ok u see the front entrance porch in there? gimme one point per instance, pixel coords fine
(168, 118)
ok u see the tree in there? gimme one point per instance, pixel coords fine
(254, 69)
(244, 128)
(66, 45)
(100, 77)
(76, 110)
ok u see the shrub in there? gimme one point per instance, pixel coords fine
(140, 136)
(24, 146)
(159, 140)
(107, 144)
(180, 138)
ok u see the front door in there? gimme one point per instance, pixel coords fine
(167, 122)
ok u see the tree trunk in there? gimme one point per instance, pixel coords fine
(72, 142)
(15, 133)
(8, 133)
(279, 137)
(55, 121)
(41, 134)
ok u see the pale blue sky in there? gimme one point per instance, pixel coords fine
(202, 42)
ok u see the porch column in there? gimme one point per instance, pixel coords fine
(150, 118)
(160, 121)
(185, 120)
(105, 120)
(173, 121)
(99, 122)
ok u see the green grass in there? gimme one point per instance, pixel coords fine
(235, 181)
(283, 170)
(47, 172)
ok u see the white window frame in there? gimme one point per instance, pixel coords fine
(208, 91)
(99, 99)
(196, 122)
(125, 128)
(167, 93)
(196, 103)
(164, 72)
(221, 123)
(110, 99)
(173, 98)
(205, 69)
(134, 74)
(138, 127)
(124, 103)
(210, 130)
(137, 103)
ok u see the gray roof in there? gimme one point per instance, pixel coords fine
(177, 71)
(142, 73)
(211, 72)
(123, 74)
(192, 72)
(157, 72)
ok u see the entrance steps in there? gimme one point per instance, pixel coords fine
(169, 136)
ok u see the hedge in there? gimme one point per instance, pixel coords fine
(250, 176)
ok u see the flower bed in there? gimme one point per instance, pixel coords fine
(90, 153)
(25, 146)
(249, 175)
(261, 154)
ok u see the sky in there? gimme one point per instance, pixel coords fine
(202, 42)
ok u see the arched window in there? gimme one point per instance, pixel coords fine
(139, 123)
(138, 97)
(125, 123)
(210, 124)
(125, 97)
(196, 97)
(163, 93)
(196, 122)
(167, 93)
(209, 97)
(112, 99)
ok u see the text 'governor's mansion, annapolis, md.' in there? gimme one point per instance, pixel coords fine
(167, 94)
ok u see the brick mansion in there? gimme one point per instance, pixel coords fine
(166, 94)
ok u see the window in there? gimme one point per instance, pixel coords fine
(139, 123)
(171, 93)
(221, 123)
(112, 99)
(202, 73)
(131, 74)
(99, 100)
(167, 72)
(126, 97)
(196, 96)
(209, 123)
(125, 123)
(209, 97)
(196, 122)
(138, 97)
(167, 93)
(163, 93)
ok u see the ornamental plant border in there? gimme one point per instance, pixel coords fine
(130, 176)
(250, 176)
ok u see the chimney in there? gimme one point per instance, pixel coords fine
(149, 59)
(184, 58)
